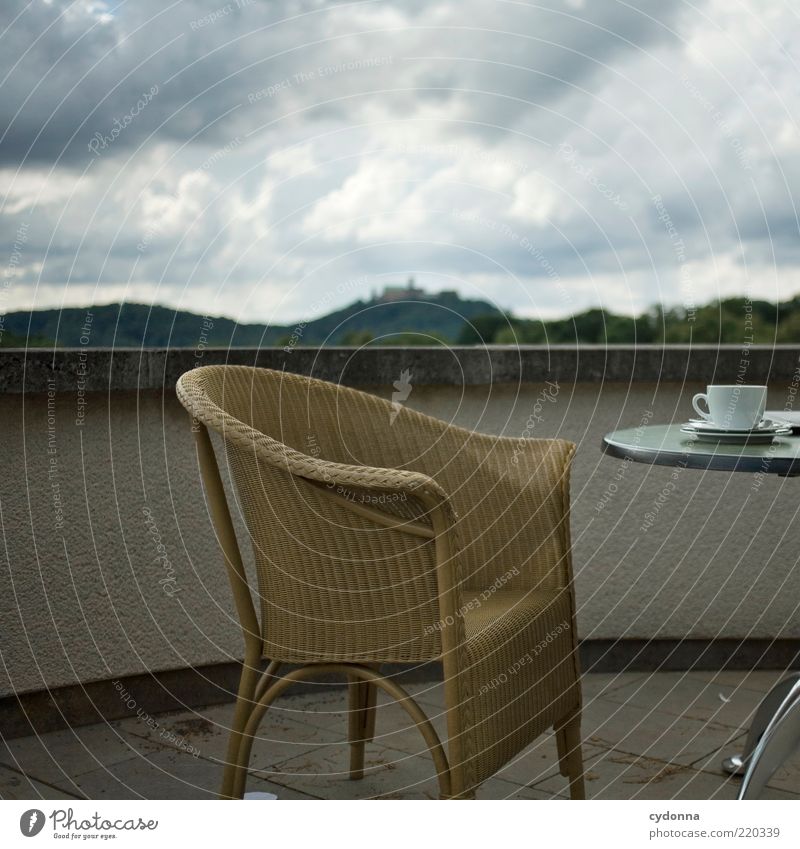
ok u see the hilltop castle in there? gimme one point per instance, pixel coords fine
(409, 292)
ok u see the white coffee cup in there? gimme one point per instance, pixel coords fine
(737, 407)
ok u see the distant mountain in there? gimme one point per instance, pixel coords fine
(399, 316)
(407, 316)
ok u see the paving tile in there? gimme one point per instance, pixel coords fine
(496, 788)
(680, 694)
(394, 730)
(619, 775)
(393, 726)
(655, 736)
(760, 680)
(388, 774)
(540, 761)
(59, 756)
(169, 774)
(326, 708)
(17, 785)
(654, 733)
(598, 685)
(534, 793)
(205, 732)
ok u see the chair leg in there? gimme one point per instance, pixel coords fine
(361, 723)
(365, 673)
(570, 759)
(244, 706)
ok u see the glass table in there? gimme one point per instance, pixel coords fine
(775, 731)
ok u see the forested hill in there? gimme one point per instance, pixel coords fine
(406, 317)
(410, 319)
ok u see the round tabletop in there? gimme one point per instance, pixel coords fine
(665, 445)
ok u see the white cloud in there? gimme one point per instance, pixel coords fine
(21, 191)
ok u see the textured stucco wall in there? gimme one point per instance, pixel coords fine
(90, 598)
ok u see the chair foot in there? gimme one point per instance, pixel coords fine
(244, 704)
(466, 795)
(577, 789)
(361, 723)
(570, 758)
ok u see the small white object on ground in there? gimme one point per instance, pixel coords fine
(256, 794)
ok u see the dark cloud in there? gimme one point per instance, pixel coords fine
(75, 72)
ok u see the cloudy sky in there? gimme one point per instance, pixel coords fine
(271, 161)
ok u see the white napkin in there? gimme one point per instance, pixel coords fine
(791, 417)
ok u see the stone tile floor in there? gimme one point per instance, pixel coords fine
(647, 736)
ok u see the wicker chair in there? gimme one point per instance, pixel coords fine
(383, 535)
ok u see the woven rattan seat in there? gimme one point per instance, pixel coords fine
(383, 535)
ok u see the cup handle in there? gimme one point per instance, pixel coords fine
(701, 396)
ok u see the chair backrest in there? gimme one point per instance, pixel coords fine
(333, 584)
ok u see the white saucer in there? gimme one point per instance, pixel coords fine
(765, 426)
(766, 431)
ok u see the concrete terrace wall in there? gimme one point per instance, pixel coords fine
(86, 594)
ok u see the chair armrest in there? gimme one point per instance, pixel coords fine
(529, 479)
(269, 450)
(412, 496)
(363, 477)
